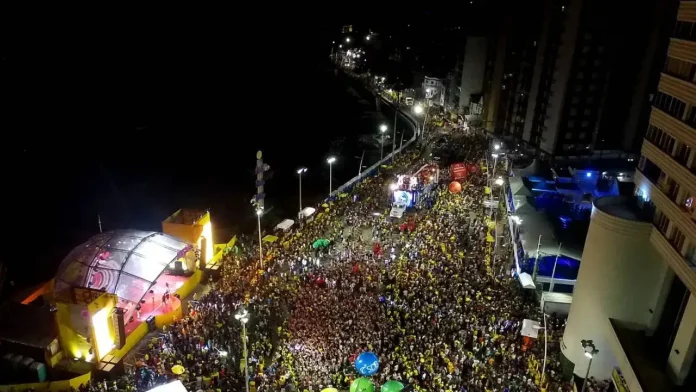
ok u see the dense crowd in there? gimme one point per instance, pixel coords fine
(434, 302)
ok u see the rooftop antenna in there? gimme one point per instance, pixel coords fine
(99, 221)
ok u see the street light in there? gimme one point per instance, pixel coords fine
(243, 316)
(546, 346)
(382, 129)
(299, 174)
(330, 161)
(259, 212)
(590, 352)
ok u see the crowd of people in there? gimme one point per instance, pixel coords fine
(436, 304)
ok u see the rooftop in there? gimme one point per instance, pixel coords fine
(186, 216)
(623, 207)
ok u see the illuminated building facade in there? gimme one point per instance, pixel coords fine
(637, 302)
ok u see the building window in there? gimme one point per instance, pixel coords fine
(680, 69)
(691, 118)
(669, 104)
(685, 30)
(683, 153)
(678, 240)
(661, 222)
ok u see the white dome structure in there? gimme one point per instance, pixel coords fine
(124, 262)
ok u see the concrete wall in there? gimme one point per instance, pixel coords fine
(473, 69)
(618, 258)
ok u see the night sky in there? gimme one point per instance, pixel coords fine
(132, 119)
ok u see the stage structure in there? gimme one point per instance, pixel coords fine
(86, 326)
(193, 227)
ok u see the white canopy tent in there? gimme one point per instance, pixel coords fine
(530, 328)
(526, 281)
(285, 225)
(307, 212)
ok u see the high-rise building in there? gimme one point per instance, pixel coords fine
(467, 78)
(591, 76)
(635, 297)
(509, 69)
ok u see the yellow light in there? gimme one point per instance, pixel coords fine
(100, 324)
(208, 234)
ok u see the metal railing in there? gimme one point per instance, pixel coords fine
(367, 172)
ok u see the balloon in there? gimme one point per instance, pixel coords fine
(367, 363)
(455, 187)
(362, 384)
(392, 386)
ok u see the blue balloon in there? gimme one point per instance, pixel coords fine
(367, 363)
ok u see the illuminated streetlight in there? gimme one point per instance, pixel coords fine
(299, 174)
(259, 212)
(330, 161)
(590, 352)
(243, 317)
(382, 129)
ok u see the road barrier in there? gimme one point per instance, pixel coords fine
(367, 172)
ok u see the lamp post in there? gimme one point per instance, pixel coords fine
(590, 351)
(382, 129)
(259, 212)
(396, 116)
(330, 161)
(243, 316)
(546, 347)
(299, 174)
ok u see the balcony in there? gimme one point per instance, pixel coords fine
(675, 170)
(679, 217)
(675, 127)
(681, 266)
(680, 89)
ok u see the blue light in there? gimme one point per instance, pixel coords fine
(589, 174)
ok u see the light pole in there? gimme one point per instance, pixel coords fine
(396, 116)
(590, 351)
(418, 110)
(243, 316)
(299, 174)
(259, 212)
(330, 161)
(382, 129)
(546, 347)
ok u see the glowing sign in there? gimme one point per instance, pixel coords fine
(403, 198)
(102, 335)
